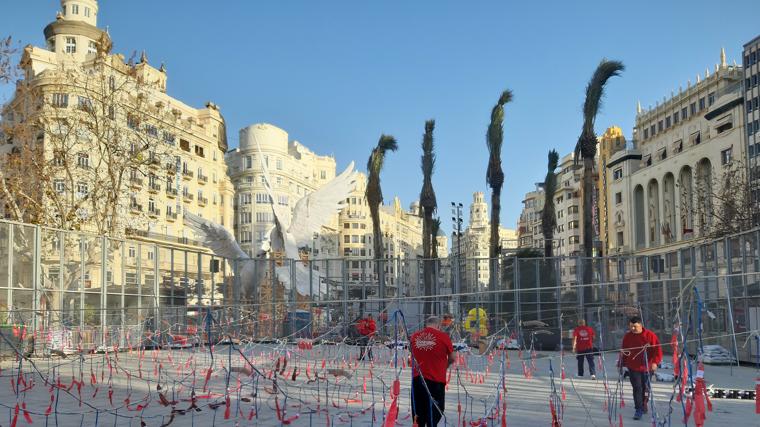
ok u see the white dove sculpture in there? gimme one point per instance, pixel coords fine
(289, 233)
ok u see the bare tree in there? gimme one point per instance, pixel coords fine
(724, 201)
(83, 141)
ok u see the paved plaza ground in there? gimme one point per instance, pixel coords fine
(350, 392)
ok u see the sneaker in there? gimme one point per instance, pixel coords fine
(637, 415)
(593, 377)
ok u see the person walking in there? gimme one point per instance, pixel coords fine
(367, 329)
(583, 347)
(432, 354)
(640, 353)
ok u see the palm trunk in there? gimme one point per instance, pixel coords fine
(588, 227)
(378, 244)
(427, 260)
(495, 214)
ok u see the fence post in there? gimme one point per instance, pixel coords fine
(730, 267)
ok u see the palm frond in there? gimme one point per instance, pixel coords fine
(495, 138)
(586, 146)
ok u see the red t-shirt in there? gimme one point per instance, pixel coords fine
(431, 349)
(367, 327)
(584, 338)
(633, 350)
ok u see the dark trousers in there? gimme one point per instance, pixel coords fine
(364, 348)
(423, 408)
(589, 356)
(640, 384)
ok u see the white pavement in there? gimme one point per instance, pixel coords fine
(360, 400)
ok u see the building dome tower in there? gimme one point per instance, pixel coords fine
(74, 33)
(80, 10)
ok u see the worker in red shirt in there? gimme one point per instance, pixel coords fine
(432, 354)
(583, 347)
(641, 353)
(367, 329)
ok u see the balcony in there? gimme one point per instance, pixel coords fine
(171, 192)
(135, 208)
(186, 174)
(171, 216)
(187, 196)
(135, 182)
(154, 162)
(154, 188)
(171, 168)
(202, 201)
(202, 179)
(154, 213)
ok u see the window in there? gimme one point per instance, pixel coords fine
(87, 11)
(667, 122)
(701, 103)
(323, 174)
(169, 138)
(620, 238)
(71, 45)
(248, 162)
(75, 9)
(199, 151)
(82, 189)
(346, 225)
(574, 240)
(263, 198)
(678, 146)
(683, 113)
(711, 98)
(675, 118)
(83, 160)
(85, 103)
(132, 121)
(725, 156)
(59, 186)
(346, 239)
(663, 154)
(617, 174)
(184, 145)
(659, 126)
(245, 198)
(651, 131)
(572, 225)
(749, 106)
(245, 236)
(279, 164)
(64, 12)
(60, 100)
(618, 198)
(693, 108)
(572, 209)
(245, 217)
(646, 133)
(696, 138)
(151, 130)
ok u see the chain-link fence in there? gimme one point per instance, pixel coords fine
(68, 290)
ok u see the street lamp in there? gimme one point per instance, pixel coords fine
(456, 212)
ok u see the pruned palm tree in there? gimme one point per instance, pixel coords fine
(435, 228)
(374, 195)
(494, 174)
(548, 215)
(585, 149)
(428, 205)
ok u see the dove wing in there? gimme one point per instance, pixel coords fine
(316, 209)
(214, 237)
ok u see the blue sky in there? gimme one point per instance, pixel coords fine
(337, 74)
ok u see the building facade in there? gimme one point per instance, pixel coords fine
(475, 246)
(751, 54)
(529, 227)
(610, 143)
(295, 171)
(104, 134)
(662, 192)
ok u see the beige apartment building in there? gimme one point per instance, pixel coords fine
(96, 146)
(610, 143)
(661, 191)
(529, 228)
(475, 244)
(77, 98)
